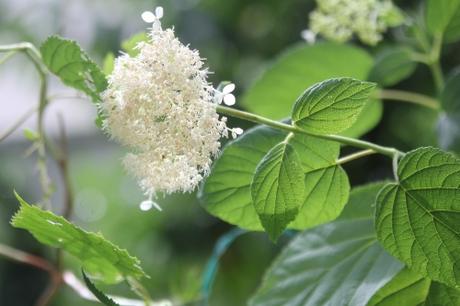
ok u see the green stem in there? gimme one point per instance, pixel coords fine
(292, 128)
(34, 55)
(434, 64)
(436, 71)
(410, 97)
(355, 156)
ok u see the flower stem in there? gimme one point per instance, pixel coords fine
(410, 97)
(292, 128)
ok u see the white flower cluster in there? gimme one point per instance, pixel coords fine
(338, 20)
(160, 105)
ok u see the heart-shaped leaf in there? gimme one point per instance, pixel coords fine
(417, 218)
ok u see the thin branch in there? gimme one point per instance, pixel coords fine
(409, 97)
(354, 156)
(37, 262)
(17, 124)
(297, 130)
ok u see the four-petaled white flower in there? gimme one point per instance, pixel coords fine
(160, 105)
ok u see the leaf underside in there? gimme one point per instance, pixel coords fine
(100, 258)
(339, 263)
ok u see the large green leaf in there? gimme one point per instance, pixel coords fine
(301, 66)
(340, 263)
(226, 192)
(440, 16)
(277, 188)
(100, 258)
(410, 289)
(392, 65)
(331, 106)
(417, 218)
(70, 63)
(452, 31)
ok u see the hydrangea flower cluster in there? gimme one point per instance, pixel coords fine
(160, 105)
(339, 20)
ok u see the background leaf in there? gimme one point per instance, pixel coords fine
(226, 191)
(277, 188)
(70, 63)
(392, 65)
(417, 219)
(440, 16)
(100, 258)
(331, 106)
(340, 263)
(410, 289)
(301, 66)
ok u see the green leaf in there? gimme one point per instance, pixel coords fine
(277, 188)
(109, 62)
(226, 191)
(392, 65)
(452, 31)
(100, 258)
(417, 218)
(129, 45)
(104, 299)
(406, 288)
(331, 106)
(299, 67)
(340, 263)
(326, 184)
(70, 63)
(30, 135)
(440, 16)
(410, 289)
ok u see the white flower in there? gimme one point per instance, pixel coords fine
(225, 95)
(160, 105)
(338, 20)
(309, 36)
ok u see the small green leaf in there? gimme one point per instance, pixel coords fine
(417, 218)
(452, 31)
(410, 289)
(129, 45)
(339, 263)
(326, 185)
(440, 16)
(104, 299)
(331, 106)
(277, 188)
(109, 62)
(30, 135)
(275, 91)
(226, 191)
(392, 65)
(70, 63)
(100, 258)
